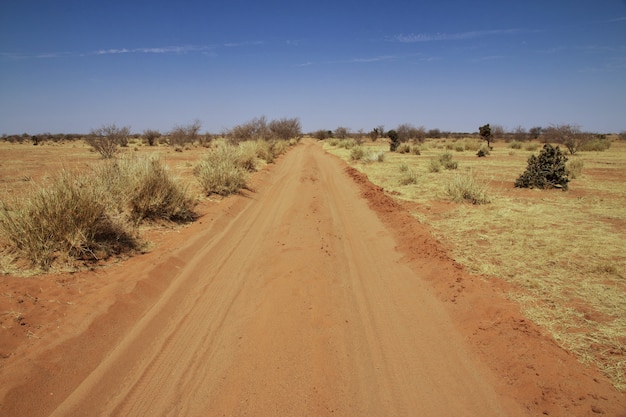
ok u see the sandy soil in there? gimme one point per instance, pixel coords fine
(312, 294)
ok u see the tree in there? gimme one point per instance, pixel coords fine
(395, 141)
(182, 135)
(285, 129)
(321, 134)
(547, 170)
(535, 132)
(485, 134)
(434, 133)
(519, 134)
(107, 138)
(407, 131)
(342, 132)
(151, 136)
(568, 135)
(255, 129)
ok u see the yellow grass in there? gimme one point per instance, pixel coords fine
(565, 252)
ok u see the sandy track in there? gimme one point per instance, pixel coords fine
(299, 305)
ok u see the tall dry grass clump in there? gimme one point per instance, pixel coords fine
(63, 221)
(219, 171)
(143, 189)
(466, 188)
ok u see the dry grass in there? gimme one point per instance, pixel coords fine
(563, 251)
(219, 172)
(62, 221)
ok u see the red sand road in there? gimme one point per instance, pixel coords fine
(299, 299)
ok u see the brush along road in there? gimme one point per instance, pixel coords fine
(294, 301)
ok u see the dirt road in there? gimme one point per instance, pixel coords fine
(295, 302)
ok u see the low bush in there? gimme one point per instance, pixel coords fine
(596, 145)
(154, 194)
(434, 165)
(375, 157)
(531, 146)
(358, 153)
(403, 148)
(64, 221)
(547, 170)
(219, 173)
(515, 145)
(445, 160)
(465, 188)
(143, 189)
(247, 155)
(347, 143)
(574, 168)
(409, 176)
(483, 151)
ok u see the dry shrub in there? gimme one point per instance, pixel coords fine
(219, 171)
(143, 189)
(62, 221)
(358, 153)
(247, 158)
(466, 188)
(409, 176)
(574, 168)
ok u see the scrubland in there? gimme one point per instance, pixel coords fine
(562, 252)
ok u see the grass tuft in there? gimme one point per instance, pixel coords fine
(465, 188)
(219, 171)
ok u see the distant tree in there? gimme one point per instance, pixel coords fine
(321, 134)
(535, 132)
(285, 129)
(341, 132)
(407, 132)
(497, 132)
(151, 136)
(434, 133)
(107, 138)
(255, 129)
(485, 134)
(519, 134)
(395, 140)
(568, 135)
(182, 135)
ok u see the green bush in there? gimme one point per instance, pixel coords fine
(547, 170)
(515, 145)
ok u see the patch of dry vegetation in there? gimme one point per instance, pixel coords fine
(562, 250)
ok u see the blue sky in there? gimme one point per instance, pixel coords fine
(70, 66)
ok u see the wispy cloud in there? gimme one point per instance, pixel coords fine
(160, 50)
(172, 50)
(372, 59)
(617, 19)
(433, 37)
